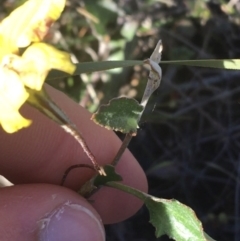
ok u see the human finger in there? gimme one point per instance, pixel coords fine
(41, 154)
(47, 212)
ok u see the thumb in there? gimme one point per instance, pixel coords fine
(47, 213)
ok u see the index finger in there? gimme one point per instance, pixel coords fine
(42, 152)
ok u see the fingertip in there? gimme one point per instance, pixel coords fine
(47, 212)
(44, 151)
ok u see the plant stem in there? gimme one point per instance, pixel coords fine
(78, 137)
(128, 189)
(73, 167)
(121, 150)
(42, 101)
(153, 83)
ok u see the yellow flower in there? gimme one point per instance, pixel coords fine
(12, 96)
(31, 21)
(26, 26)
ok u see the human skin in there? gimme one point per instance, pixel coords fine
(35, 158)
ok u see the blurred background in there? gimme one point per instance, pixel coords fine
(189, 137)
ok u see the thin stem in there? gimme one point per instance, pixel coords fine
(78, 137)
(73, 167)
(154, 80)
(128, 189)
(42, 101)
(153, 83)
(121, 150)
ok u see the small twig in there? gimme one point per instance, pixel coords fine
(133, 191)
(73, 167)
(153, 83)
(123, 147)
(42, 101)
(73, 132)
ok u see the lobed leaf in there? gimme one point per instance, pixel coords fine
(169, 217)
(121, 114)
(174, 219)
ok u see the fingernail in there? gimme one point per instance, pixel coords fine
(71, 222)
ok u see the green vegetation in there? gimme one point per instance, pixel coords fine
(188, 140)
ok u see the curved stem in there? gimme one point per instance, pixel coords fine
(42, 101)
(78, 137)
(73, 167)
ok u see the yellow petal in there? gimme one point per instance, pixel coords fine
(32, 68)
(6, 47)
(13, 122)
(36, 62)
(31, 21)
(57, 59)
(12, 96)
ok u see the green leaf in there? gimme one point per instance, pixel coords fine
(174, 219)
(88, 67)
(98, 180)
(231, 64)
(169, 217)
(121, 114)
(111, 175)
